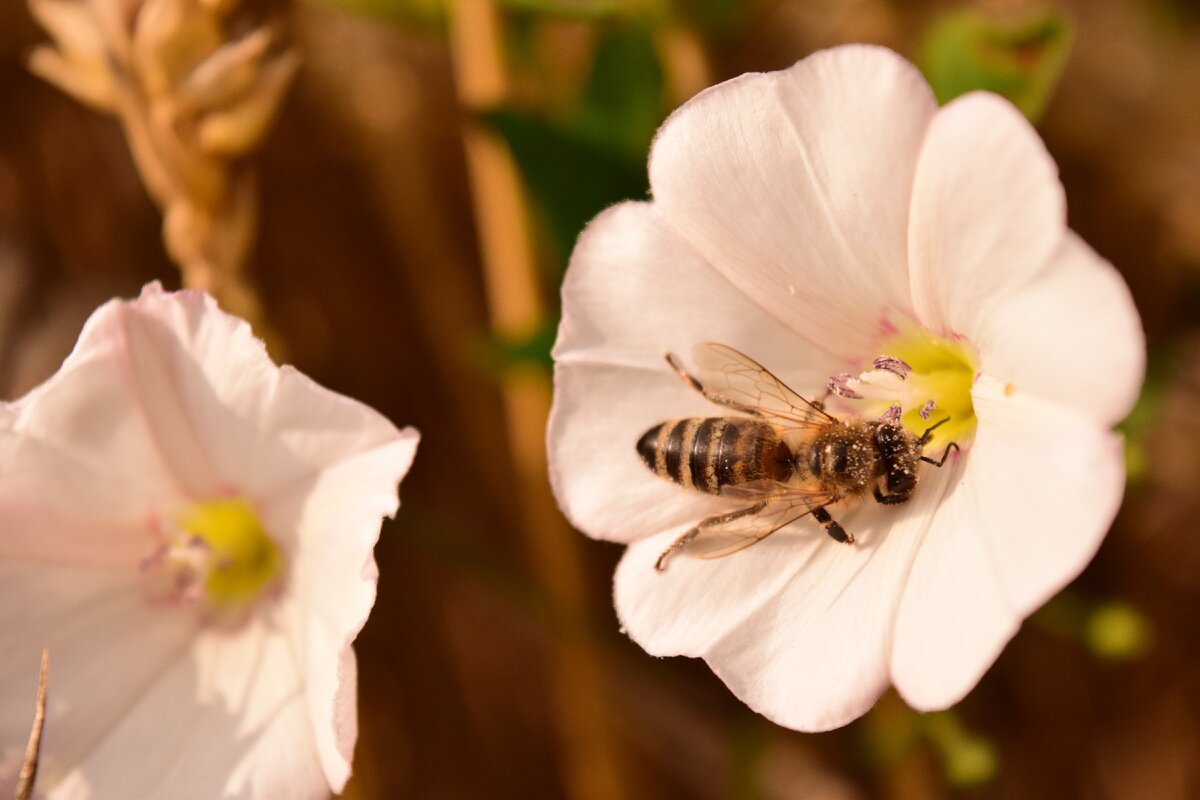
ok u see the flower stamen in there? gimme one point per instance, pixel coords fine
(215, 553)
(839, 385)
(892, 365)
(922, 372)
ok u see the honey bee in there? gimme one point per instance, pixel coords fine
(783, 456)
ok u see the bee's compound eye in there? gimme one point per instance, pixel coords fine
(647, 445)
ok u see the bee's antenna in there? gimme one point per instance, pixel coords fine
(928, 434)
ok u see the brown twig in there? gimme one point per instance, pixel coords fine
(195, 85)
(517, 309)
(29, 767)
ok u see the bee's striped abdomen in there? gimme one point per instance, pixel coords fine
(706, 453)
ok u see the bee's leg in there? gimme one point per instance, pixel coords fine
(707, 522)
(835, 531)
(711, 397)
(945, 455)
(928, 434)
(676, 546)
(819, 403)
(891, 499)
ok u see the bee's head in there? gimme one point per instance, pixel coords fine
(902, 478)
(900, 451)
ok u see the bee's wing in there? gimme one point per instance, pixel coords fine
(723, 534)
(734, 379)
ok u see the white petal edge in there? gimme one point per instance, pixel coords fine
(815, 656)
(1041, 487)
(190, 365)
(172, 384)
(987, 211)
(634, 292)
(600, 481)
(690, 605)
(796, 185)
(220, 414)
(335, 582)
(88, 412)
(1071, 336)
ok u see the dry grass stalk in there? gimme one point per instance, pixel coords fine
(196, 84)
(514, 296)
(28, 774)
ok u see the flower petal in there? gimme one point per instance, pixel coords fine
(1072, 336)
(815, 656)
(690, 605)
(601, 484)
(797, 625)
(796, 185)
(100, 631)
(203, 383)
(221, 415)
(987, 211)
(308, 430)
(227, 719)
(336, 577)
(635, 291)
(158, 395)
(86, 414)
(1040, 488)
(60, 504)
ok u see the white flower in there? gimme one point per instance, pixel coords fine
(188, 529)
(816, 219)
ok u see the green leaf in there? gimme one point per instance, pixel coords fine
(504, 354)
(569, 178)
(621, 106)
(593, 155)
(720, 20)
(965, 51)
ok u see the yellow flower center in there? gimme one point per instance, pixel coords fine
(928, 376)
(242, 560)
(215, 554)
(943, 370)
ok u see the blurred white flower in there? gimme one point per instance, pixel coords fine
(816, 219)
(188, 528)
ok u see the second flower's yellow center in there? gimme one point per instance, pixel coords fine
(215, 555)
(242, 560)
(929, 377)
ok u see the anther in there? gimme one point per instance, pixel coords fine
(892, 365)
(838, 385)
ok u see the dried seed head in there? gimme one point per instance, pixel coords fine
(196, 84)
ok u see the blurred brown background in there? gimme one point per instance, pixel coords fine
(481, 675)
